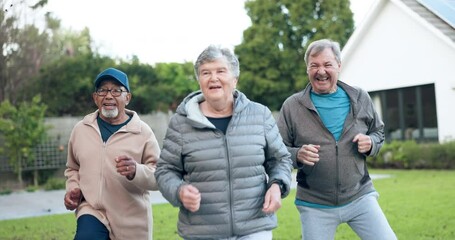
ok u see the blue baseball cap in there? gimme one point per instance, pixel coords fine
(114, 74)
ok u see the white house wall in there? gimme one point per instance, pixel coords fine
(398, 49)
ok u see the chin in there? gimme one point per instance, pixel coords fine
(109, 113)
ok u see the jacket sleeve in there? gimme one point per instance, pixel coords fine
(286, 132)
(375, 125)
(145, 178)
(169, 172)
(72, 168)
(278, 164)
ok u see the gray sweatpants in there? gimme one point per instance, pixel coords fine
(262, 235)
(363, 215)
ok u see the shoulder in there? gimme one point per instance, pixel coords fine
(354, 91)
(257, 109)
(293, 100)
(295, 97)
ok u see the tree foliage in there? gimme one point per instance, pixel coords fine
(160, 87)
(272, 51)
(22, 128)
(22, 48)
(176, 81)
(61, 64)
(66, 86)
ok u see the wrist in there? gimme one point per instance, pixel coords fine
(280, 185)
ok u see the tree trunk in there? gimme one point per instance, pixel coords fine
(35, 177)
(19, 172)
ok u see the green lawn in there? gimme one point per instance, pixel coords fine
(418, 205)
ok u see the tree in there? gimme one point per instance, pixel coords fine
(66, 85)
(160, 87)
(23, 128)
(22, 48)
(66, 42)
(271, 54)
(176, 81)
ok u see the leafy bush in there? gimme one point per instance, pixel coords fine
(31, 188)
(6, 192)
(54, 184)
(413, 155)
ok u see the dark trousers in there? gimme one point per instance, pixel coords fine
(90, 228)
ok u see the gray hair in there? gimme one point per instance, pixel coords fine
(318, 46)
(212, 53)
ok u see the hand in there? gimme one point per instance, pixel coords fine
(190, 197)
(126, 166)
(272, 200)
(308, 154)
(72, 198)
(363, 143)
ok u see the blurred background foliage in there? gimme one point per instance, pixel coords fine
(60, 64)
(46, 67)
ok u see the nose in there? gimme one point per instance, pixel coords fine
(214, 77)
(321, 70)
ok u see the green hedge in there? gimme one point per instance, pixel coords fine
(413, 155)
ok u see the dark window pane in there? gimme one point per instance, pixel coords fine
(430, 119)
(392, 118)
(410, 113)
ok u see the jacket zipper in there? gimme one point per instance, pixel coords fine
(103, 156)
(337, 167)
(230, 186)
(103, 163)
(337, 174)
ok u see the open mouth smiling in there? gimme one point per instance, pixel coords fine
(214, 87)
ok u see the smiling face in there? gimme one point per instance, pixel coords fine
(217, 82)
(323, 70)
(112, 109)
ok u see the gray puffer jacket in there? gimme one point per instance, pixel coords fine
(232, 171)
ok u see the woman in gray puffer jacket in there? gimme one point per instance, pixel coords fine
(223, 161)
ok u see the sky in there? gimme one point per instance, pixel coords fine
(162, 30)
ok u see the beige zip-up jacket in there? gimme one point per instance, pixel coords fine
(122, 205)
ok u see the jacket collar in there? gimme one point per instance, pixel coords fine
(352, 92)
(189, 107)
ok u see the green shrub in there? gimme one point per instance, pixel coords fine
(54, 184)
(413, 155)
(6, 192)
(31, 188)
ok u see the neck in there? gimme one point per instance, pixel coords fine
(216, 109)
(115, 120)
(333, 90)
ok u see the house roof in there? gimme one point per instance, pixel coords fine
(437, 22)
(439, 19)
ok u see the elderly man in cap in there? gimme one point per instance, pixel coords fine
(111, 162)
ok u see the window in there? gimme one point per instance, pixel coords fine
(408, 113)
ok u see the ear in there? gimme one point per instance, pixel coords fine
(127, 99)
(94, 97)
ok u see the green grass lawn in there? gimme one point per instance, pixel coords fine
(418, 205)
